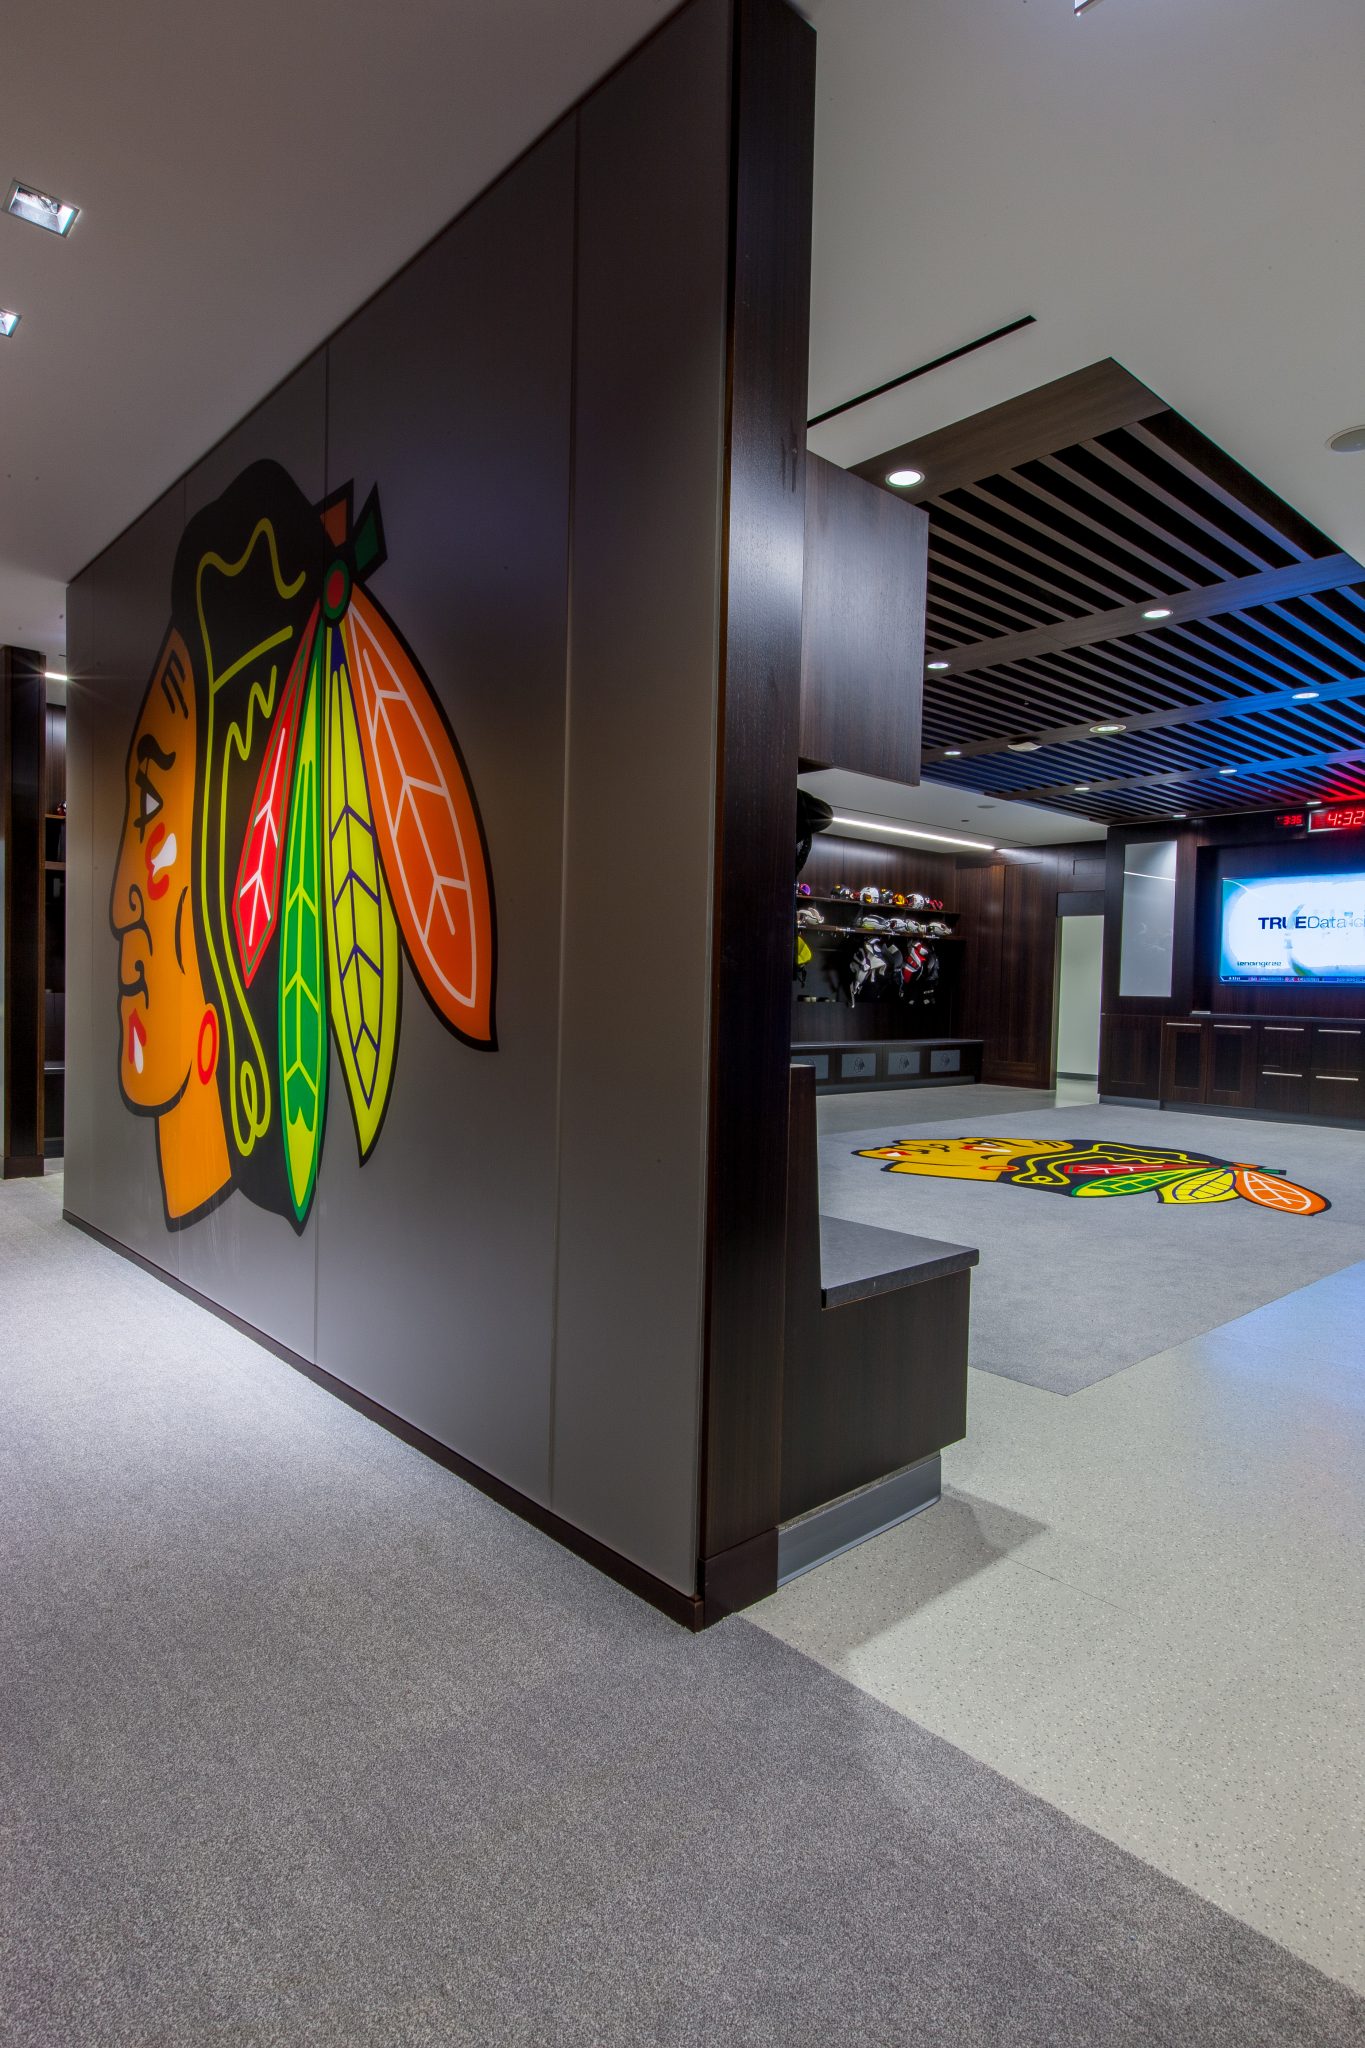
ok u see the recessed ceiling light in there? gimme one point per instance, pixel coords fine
(41, 209)
(906, 479)
(952, 752)
(54, 675)
(1227, 771)
(8, 323)
(1082, 789)
(1302, 696)
(1103, 730)
(1157, 611)
(1023, 746)
(936, 664)
(1350, 441)
(1180, 814)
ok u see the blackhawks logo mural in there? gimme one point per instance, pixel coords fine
(298, 820)
(1088, 1167)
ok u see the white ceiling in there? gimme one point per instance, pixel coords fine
(941, 809)
(248, 176)
(1175, 183)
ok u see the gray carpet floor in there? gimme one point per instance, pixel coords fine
(305, 1742)
(1070, 1291)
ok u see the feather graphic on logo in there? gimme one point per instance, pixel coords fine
(365, 967)
(428, 826)
(303, 1013)
(256, 893)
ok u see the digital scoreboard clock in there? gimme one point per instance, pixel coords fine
(1328, 818)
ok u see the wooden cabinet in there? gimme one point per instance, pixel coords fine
(1182, 1062)
(1282, 1069)
(862, 629)
(1230, 1065)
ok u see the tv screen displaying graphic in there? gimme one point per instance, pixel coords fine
(1294, 928)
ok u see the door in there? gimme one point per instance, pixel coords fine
(1232, 1065)
(1182, 1062)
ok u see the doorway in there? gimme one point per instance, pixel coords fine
(1078, 997)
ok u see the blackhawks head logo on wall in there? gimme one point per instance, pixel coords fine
(1098, 1166)
(298, 818)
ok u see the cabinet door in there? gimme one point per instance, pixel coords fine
(1282, 1069)
(1231, 1075)
(1339, 1096)
(1338, 1048)
(1182, 1062)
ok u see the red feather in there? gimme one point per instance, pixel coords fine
(256, 893)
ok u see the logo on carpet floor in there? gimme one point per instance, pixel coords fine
(1089, 1166)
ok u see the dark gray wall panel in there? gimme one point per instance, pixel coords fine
(117, 614)
(253, 1262)
(451, 393)
(650, 383)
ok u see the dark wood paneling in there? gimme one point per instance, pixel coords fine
(859, 863)
(871, 1387)
(23, 723)
(1130, 1056)
(862, 631)
(773, 125)
(1073, 408)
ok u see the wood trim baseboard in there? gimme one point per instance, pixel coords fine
(684, 1608)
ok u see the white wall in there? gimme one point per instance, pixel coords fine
(1078, 1017)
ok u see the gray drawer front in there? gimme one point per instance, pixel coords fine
(946, 1060)
(858, 1066)
(818, 1060)
(902, 1062)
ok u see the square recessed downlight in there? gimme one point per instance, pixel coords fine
(8, 323)
(41, 209)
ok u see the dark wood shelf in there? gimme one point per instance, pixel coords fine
(853, 903)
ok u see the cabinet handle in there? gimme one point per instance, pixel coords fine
(1288, 1030)
(1338, 1031)
(1232, 1027)
(1352, 1078)
(1281, 1074)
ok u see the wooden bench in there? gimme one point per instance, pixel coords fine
(875, 1371)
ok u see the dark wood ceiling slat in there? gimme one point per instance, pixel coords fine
(1082, 592)
(1089, 401)
(1236, 596)
(1122, 569)
(1091, 457)
(1174, 441)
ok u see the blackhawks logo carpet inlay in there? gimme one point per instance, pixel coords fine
(1089, 1166)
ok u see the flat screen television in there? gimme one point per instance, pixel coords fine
(1293, 928)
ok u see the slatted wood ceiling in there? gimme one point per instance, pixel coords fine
(1055, 522)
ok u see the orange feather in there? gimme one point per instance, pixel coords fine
(427, 822)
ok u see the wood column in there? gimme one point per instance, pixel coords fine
(23, 729)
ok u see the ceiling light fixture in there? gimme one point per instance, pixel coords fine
(951, 753)
(936, 664)
(1023, 746)
(1104, 730)
(41, 209)
(1302, 696)
(8, 323)
(1157, 611)
(54, 675)
(1082, 788)
(1350, 441)
(906, 479)
(1227, 771)
(883, 825)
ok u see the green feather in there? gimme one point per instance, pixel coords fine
(303, 1015)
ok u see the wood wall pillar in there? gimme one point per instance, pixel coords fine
(23, 735)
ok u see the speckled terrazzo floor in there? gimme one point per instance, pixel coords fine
(1145, 1601)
